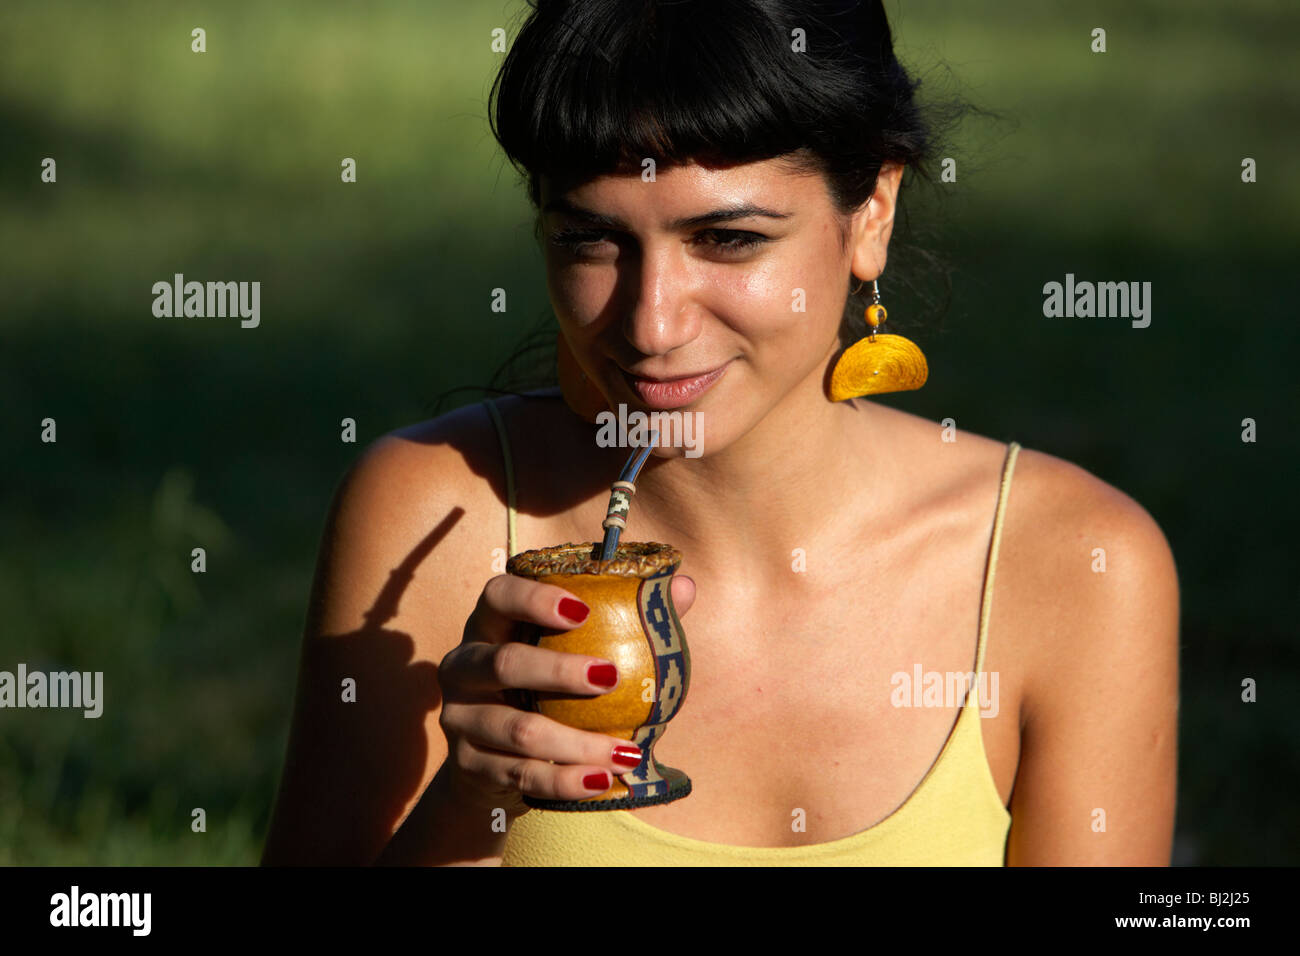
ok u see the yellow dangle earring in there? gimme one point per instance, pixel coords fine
(879, 362)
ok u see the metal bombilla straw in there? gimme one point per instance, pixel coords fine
(620, 498)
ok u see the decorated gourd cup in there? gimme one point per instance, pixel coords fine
(634, 625)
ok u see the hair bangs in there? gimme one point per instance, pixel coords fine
(603, 92)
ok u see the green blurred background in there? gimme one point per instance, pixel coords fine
(375, 299)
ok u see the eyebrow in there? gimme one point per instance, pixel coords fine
(741, 211)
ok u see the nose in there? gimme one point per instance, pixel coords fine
(662, 317)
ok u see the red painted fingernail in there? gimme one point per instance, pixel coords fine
(596, 781)
(626, 756)
(602, 675)
(575, 611)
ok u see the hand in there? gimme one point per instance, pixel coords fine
(495, 751)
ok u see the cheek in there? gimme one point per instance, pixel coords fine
(757, 298)
(578, 295)
(789, 303)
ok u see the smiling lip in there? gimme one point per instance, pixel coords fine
(673, 393)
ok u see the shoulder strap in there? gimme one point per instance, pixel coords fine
(510, 474)
(986, 602)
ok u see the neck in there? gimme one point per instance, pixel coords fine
(783, 485)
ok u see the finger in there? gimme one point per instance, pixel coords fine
(537, 778)
(508, 598)
(683, 593)
(480, 671)
(520, 733)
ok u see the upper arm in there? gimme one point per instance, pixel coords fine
(395, 581)
(1096, 783)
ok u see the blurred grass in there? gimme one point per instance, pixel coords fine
(183, 433)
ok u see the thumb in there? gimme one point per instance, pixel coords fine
(683, 593)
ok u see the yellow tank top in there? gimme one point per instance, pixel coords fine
(954, 817)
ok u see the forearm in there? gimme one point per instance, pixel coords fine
(444, 829)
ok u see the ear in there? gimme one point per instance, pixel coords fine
(873, 224)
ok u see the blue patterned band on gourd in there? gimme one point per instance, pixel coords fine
(672, 678)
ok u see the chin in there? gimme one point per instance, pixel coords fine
(676, 452)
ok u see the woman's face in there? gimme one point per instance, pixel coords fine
(739, 267)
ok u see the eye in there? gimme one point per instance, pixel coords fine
(574, 239)
(725, 240)
(734, 240)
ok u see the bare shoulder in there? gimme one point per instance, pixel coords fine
(404, 554)
(1085, 614)
(1088, 592)
(451, 454)
(416, 527)
(1086, 578)
(1068, 508)
(433, 496)
(427, 504)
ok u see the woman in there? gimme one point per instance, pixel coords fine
(712, 179)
